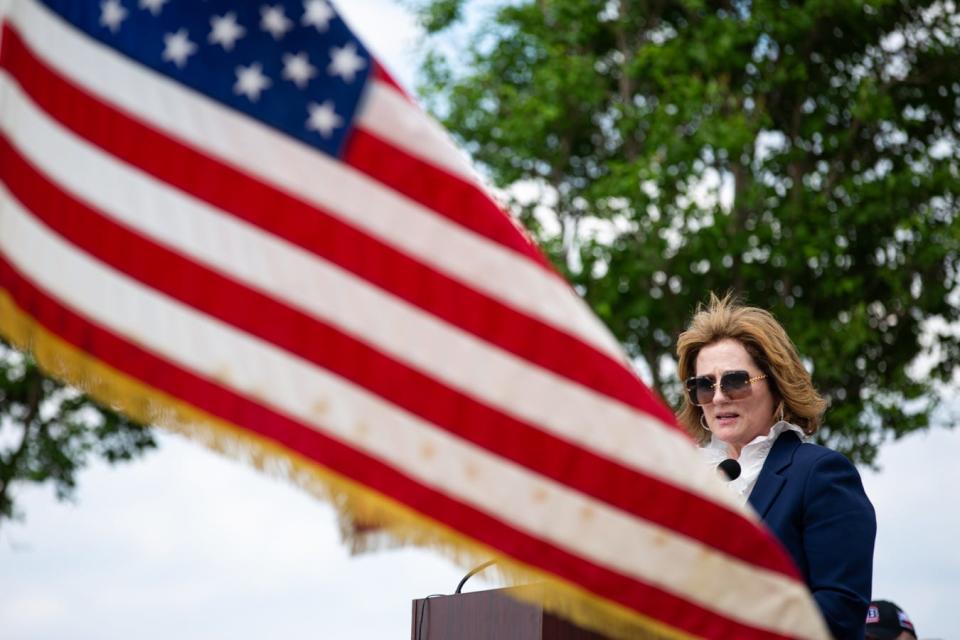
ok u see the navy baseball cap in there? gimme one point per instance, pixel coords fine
(885, 621)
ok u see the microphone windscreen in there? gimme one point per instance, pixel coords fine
(730, 468)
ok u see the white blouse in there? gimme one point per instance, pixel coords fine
(751, 459)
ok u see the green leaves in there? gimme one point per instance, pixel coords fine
(51, 431)
(439, 15)
(803, 155)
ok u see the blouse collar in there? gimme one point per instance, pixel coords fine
(752, 455)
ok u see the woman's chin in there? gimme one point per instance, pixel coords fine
(729, 433)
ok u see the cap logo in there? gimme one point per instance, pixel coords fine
(904, 620)
(873, 615)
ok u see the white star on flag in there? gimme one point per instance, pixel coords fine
(345, 62)
(178, 47)
(251, 81)
(323, 119)
(274, 21)
(153, 6)
(112, 14)
(317, 13)
(297, 69)
(225, 31)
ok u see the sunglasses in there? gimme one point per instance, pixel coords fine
(736, 385)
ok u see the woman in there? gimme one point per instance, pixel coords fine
(749, 398)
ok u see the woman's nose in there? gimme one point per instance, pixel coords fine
(718, 394)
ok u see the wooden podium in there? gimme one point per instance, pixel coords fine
(490, 615)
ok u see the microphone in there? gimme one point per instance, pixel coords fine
(730, 468)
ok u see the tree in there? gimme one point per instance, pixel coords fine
(50, 431)
(801, 154)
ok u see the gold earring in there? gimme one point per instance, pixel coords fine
(703, 422)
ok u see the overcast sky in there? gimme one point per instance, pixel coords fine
(185, 544)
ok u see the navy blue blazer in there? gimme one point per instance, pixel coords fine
(812, 499)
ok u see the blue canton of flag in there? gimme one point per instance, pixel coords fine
(294, 65)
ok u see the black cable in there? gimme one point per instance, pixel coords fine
(422, 613)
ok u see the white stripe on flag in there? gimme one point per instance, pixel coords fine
(387, 113)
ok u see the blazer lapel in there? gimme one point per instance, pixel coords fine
(770, 481)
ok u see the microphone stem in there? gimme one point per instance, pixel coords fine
(477, 569)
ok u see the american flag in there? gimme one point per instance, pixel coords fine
(226, 218)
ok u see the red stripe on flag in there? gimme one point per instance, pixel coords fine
(440, 191)
(380, 73)
(416, 392)
(214, 399)
(276, 212)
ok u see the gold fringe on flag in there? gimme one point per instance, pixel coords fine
(359, 507)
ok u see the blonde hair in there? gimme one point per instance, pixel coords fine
(771, 349)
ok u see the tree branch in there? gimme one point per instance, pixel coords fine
(8, 470)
